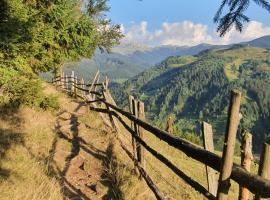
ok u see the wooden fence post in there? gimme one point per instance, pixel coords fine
(75, 86)
(229, 144)
(72, 83)
(264, 167)
(246, 158)
(83, 87)
(92, 85)
(108, 98)
(66, 83)
(62, 80)
(106, 82)
(135, 126)
(131, 101)
(140, 149)
(208, 144)
(169, 125)
(59, 79)
(95, 87)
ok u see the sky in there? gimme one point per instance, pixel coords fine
(181, 22)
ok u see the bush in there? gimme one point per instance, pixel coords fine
(6, 75)
(50, 103)
(192, 137)
(21, 90)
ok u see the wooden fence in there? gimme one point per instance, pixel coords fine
(257, 184)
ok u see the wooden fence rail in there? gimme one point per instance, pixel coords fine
(254, 183)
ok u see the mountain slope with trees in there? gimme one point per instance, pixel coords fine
(194, 88)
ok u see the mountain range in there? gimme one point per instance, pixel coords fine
(127, 60)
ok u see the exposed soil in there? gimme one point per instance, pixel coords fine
(82, 168)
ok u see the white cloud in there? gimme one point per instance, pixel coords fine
(189, 33)
(182, 33)
(138, 33)
(251, 31)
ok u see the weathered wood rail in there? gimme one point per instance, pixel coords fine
(257, 184)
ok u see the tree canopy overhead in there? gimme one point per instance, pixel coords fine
(41, 35)
(235, 15)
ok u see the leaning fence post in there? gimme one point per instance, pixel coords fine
(108, 98)
(229, 144)
(264, 167)
(208, 144)
(92, 85)
(131, 101)
(135, 126)
(140, 151)
(95, 87)
(246, 158)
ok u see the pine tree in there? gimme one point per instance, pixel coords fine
(41, 35)
(235, 15)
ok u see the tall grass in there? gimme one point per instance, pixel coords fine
(25, 137)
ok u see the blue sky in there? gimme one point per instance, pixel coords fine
(157, 18)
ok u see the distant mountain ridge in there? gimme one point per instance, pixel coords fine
(128, 60)
(263, 42)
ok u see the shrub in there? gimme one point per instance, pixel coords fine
(6, 75)
(192, 137)
(50, 102)
(22, 90)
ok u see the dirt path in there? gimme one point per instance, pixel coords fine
(80, 152)
(89, 158)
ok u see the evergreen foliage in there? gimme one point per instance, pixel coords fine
(198, 88)
(40, 35)
(235, 15)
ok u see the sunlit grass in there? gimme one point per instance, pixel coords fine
(170, 184)
(23, 174)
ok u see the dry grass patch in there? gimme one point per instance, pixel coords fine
(172, 186)
(118, 169)
(25, 142)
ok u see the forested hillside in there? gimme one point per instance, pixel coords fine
(193, 88)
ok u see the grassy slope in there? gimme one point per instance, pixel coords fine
(170, 184)
(25, 135)
(33, 157)
(26, 154)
